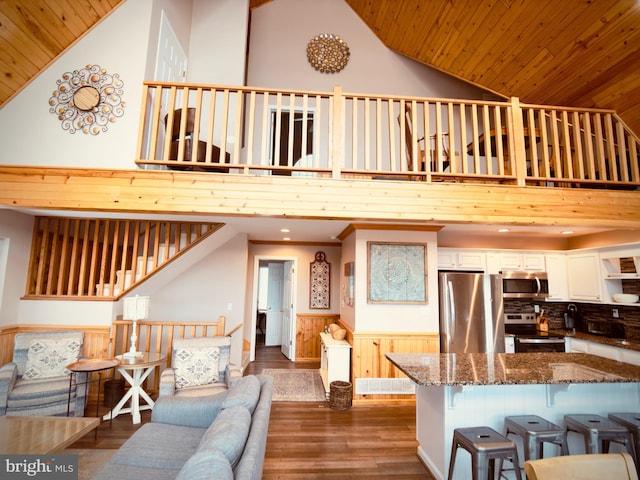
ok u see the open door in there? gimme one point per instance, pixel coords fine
(288, 332)
(273, 334)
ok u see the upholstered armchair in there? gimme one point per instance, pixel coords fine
(199, 366)
(36, 382)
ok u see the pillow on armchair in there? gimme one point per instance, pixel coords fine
(48, 357)
(196, 366)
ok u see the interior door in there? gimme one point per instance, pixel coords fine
(287, 347)
(171, 66)
(273, 335)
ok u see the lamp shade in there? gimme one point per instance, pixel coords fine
(136, 308)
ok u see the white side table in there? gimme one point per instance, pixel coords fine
(335, 362)
(140, 368)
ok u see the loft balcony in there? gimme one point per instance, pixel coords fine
(256, 132)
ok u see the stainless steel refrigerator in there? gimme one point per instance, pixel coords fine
(471, 313)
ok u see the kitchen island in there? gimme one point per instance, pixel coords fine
(465, 390)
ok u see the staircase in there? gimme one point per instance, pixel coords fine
(98, 258)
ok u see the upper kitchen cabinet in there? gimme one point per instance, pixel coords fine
(461, 259)
(556, 265)
(583, 274)
(515, 262)
(621, 272)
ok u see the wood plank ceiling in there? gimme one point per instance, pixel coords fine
(573, 52)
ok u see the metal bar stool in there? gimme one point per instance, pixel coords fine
(535, 431)
(632, 422)
(485, 446)
(598, 432)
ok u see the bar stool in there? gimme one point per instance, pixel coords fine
(485, 446)
(535, 431)
(598, 431)
(632, 422)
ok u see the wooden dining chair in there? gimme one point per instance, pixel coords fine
(419, 144)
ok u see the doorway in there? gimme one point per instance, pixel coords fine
(274, 297)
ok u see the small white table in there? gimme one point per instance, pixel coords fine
(140, 367)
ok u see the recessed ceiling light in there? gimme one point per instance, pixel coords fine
(287, 238)
(503, 230)
(285, 230)
(567, 232)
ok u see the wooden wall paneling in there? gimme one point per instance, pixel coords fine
(369, 361)
(308, 328)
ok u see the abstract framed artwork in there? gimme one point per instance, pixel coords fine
(397, 273)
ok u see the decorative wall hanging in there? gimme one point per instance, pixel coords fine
(349, 282)
(320, 293)
(397, 273)
(328, 53)
(88, 100)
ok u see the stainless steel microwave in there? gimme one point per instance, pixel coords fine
(525, 285)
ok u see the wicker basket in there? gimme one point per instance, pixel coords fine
(340, 395)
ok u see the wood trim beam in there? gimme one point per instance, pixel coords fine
(161, 192)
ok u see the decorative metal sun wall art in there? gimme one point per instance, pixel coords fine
(88, 100)
(328, 53)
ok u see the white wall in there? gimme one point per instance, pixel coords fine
(281, 30)
(17, 228)
(218, 43)
(376, 317)
(207, 289)
(31, 135)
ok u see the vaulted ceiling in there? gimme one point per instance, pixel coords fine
(582, 53)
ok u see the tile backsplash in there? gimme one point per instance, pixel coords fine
(629, 315)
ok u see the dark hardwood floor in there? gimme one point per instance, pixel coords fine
(309, 440)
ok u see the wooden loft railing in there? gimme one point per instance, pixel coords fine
(103, 259)
(251, 131)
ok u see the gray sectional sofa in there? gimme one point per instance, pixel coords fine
(220, 436)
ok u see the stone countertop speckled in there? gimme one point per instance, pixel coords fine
(440, 369)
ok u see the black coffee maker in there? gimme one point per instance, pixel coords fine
(572, 317)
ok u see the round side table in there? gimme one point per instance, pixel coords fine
(89, 366)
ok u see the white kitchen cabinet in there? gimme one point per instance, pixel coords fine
(583, 273)
(557, 274)
(606, 351)
(461, 259)
(515, 262)
(630, 356)
(335, 361)
(575, 345)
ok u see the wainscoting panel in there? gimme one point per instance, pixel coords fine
(308, 328)
(368, 360)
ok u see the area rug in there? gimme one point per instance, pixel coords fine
(296, 385)
(90, 460)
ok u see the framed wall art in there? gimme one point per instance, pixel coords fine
(320, 285)
(349, 283)
(397, 273)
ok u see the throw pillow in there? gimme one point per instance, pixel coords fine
(228, 433)
(196, 366)
(206, 465)
(245, 392)
(49, 357)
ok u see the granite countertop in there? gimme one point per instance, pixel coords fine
(440, 369)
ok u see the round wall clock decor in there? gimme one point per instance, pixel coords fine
(328, 53)
(88, 100)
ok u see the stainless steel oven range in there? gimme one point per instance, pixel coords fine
(522, 335)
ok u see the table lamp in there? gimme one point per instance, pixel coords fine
(135, 308)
